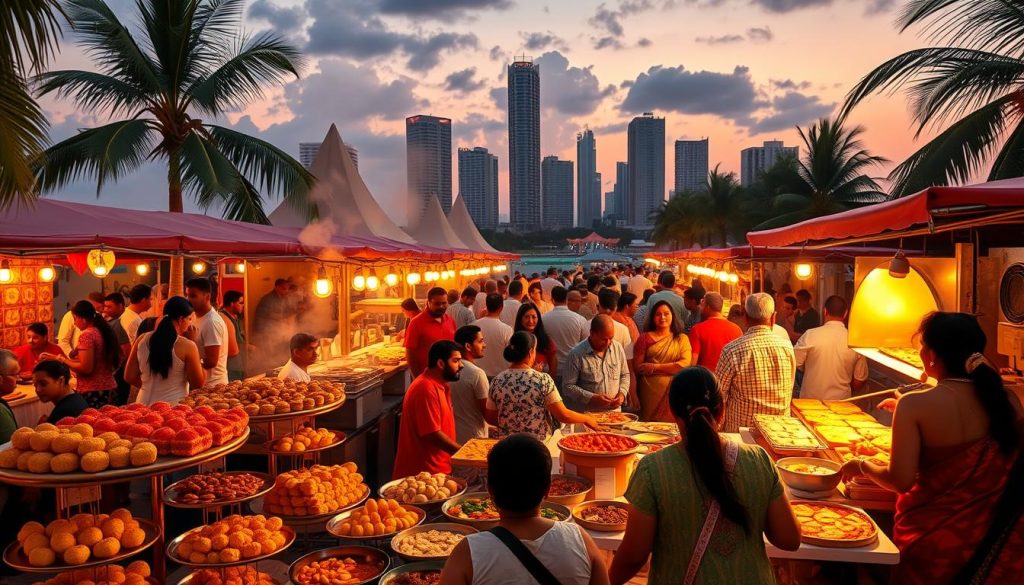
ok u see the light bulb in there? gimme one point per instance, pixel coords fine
(6, 275)
(391, 279)
(372, 282)
(359, 282)
(322, 286)
(100, 270)
(198, 267)
(803, 271)
(734, 278)
(413, 278)
(240, 268)
(142, 269)
(47, 274)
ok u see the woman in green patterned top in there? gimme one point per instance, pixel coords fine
(672, 490)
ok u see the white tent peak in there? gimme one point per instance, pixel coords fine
(462, 223)
(341, 197)
(432, 228)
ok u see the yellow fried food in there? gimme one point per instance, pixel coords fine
(40, 462)
(95, 461)
(77, 554)
(64, 463)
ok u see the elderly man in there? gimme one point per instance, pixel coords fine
(564, 327)
(304, 352)
(756, 371)
(713, 333)
(596, 373)
(831, 369)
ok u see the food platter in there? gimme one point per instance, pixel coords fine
(323, 409)
(429, 504)
(568, 445)
(560, 511)
(172, 548)
(452, 527)
(341, 551)
(193, 579)
(334, 523)
(578, 509)
(16, 558)
(573, 498)
(658, 428)
(473, 453)
(171, 493)
(845, 520)
(787, 434)
(162, 466)
(613, 419)
(269, 446)
(257, 508)
(391, 576)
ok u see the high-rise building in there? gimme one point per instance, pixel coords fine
(428, 162)
(646, 140)
(756, 159)
(308, 151)
(588, 190)
(691, 165)
(478, 185)
(524, 146)
(609, 204)
(556, 180)
(621, 190)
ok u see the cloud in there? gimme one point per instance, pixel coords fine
(496, 53)
(609, 21)
(537, 41)
(878, 6)
(607, 43)
(790, 84)
(440, 9)
(784, 6)
(760, 34)
(499, 96)
(754, 35)
(721, 40)
(282, 20)
(352, 29)
(463, 81)
(574, 91)
(791, 109)
(644, 42)
(675, 89)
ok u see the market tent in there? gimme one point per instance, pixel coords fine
(344, 203)
(929, 211)
(594, 238)
(462, 223)
(432, 228)
(838, 254)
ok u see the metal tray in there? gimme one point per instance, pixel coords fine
(393, 574)
(341, 441)
(631, 451)
(441, 526)
(16, 559)
(334, 524)
(429, 504)
(598, 526)
(341, 551)
(172, 548)
(170, 493)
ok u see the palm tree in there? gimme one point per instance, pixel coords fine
(972, 87)
(717, 211)
(187, 59)
(831, 176)
(28, 34)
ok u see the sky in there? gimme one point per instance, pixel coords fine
(736, 71)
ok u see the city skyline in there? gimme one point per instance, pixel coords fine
(478, 185)
(557, 180)
(646, 159)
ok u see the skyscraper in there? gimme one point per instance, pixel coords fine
(556, 176)
(756, 159)
(524, 146)
(609, 204)
(588, 189)
(621, 190)
(478, 185)
(691, 165)
(428, 162)
(646, 139)
(308, 151)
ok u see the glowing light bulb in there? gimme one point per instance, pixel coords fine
(142, 269)
(6, 275)
(359, 282)
(240, 268)
(803, 271)
(391, 279)
(47, 274)
(198, 267)
(413, 278)
(322, 287)
(372, 282)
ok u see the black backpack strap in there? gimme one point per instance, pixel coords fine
(527, 558)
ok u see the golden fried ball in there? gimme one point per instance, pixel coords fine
(41, 556)
(95, 461)
(23, 460)
(89, 536)
(41, 441)
(113, 527)
(31, 527)
(77, 554)
(65, 443)
(90, 445)
(9, 458)
(64, 463)
(40, 462)
(82, 429)
(106, 548)
(33, 541)
(21, 438)
(120, 457)
(132, 537)
(109, 437)
(139, 568)
(62, 541)
(143, 454)
(60, 525)
(46, 427)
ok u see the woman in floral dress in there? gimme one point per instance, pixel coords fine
(523, 400)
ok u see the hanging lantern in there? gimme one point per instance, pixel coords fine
(240, 268)
(734, 278)
(142, 269)
(372, 282)
(47, 274)
(358, 282)
(413, 278)
(322, 287)
(391, 279)
(6, 274)
(100, 262)
(198, 267)
(803, 271)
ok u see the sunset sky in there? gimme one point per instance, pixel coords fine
(737, 71)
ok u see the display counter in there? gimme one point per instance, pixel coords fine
(895, 369)
(27, 409)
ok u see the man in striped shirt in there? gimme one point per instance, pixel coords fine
(756, 371)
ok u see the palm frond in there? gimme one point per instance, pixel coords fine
(265, 60)
(995, 25)
(111, 45)
(29, 30)
(94, 91)
(107, 153)
(23, 129)
(246, 205)
(211, 178)
(1009, 163)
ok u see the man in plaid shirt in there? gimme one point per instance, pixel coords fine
(756, 371)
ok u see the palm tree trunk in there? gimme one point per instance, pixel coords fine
(177, 276)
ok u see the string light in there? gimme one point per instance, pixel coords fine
(198, 267)
(322, 287)
(372, 282)
(413, 278)
(47, 274)
(6, 275)
(803, 271)
(391, 279)
(142, 269)
(359, 282)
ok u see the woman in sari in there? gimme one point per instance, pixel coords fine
(660, 353)
(956, 465)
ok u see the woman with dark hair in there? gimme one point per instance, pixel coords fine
(660, 352)
(956, 465)
(523, 400)
(95, 359)
(536, 294)
(702, 506)
(528, 319)
(52, 381)
(410, 308)
(164, 364)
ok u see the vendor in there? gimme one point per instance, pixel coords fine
(39, 343)
(304, 351)
(52, 380)
(409, 310)
(426, 436)
(8, 382)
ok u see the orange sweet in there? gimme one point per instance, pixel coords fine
(33, 541)
(143, 454)
(77, 554)
(120, 457)
(66, 443)
(31, 527)
(95, 461)
(41, 441)
(83, 520)
(62, 541)
(89, 536)
(64, 463)
(9, 458)
(113, 527)
(109, 437)
(46, 427)
(139, 568)
(41, 556)
(20, 439)
(106, 548)
(40, 462)
(60, 525)
(83, 429)
(90, 445)
(124, 514)
(133, 537)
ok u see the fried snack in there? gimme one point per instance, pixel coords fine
(378, 517)
(231, 539)
(304, 439)
(316, 490)
(267, 396)
(81, 538)
(422, 488)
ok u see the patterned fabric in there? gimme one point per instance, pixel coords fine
(521, 398)
(102, 376)
(756, 374)
(100, 398)
(653, 389)
(666, 486)
(585, 373)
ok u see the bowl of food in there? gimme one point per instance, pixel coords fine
(425, 490)
(430, 542)
(417, 573)
(613, 419)
(478, 510)
(352, 565)
(809, 474)
(602, 515)
(569, 490)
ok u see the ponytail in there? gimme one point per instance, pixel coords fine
(694, 397)
(990, 392)
(161, 341)
(111, 348)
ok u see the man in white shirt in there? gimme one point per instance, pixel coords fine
(469, 393)
(550, 283)
(480, 303)
(462, 312)
(304, 352)
(140, 300)
(212, 333)
(512, 303)
(638, 283)
(565, 328)
(496, 335)
(831, 369)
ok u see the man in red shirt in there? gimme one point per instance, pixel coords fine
(37, 343)
(708, 337)
(426, 437)
(433, 324)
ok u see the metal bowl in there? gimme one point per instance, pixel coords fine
(429, 505)
(334, 524)
(808, 482)
(442, 526)
(367, 553)
(571, 499)
(478, 524)
(393, 574)
(598, 526)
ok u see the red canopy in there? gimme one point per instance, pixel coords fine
(594, 238)
(838, 254)
(930, 210)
